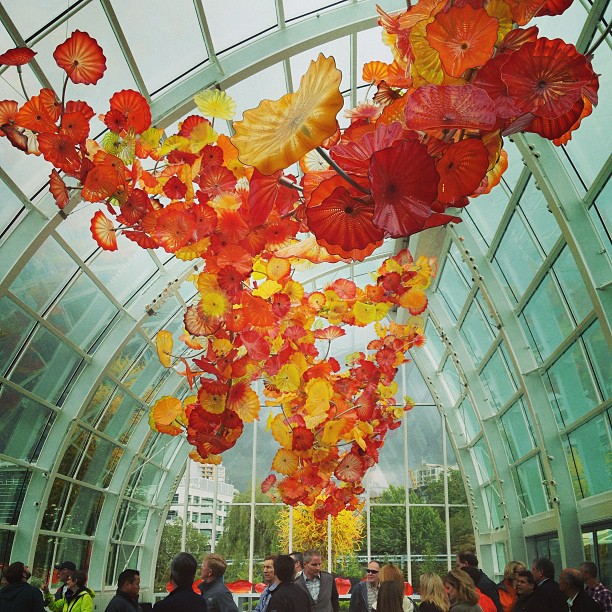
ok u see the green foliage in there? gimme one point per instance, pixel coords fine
(197, 544)
(234, 543)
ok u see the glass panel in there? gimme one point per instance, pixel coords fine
(120, 417)
(162, 313)
(52, 549)
(72, 508)
(476, 331)
(90, 459)
(160, 448)
(461, 531)
(453, 288)
(602, 216)
(122, 556)
(482, 461)
(6, 545)
(570, 386)
(44, 276)
(15, 326)
(497, 381)
(387, 525)
(542, 221)
(532, 496)
(516, 428)
(493, 508)
(517, 257)
(585, 448)
(434, 346)
(487, 210)
(144, 482)
(11, 206)
(124, 360)
(386, 473)
(451, 378)
(24, 424)
(46, 366)
(572, 285)
(546, 318)
(131, 522)
(82, 312)
(469, 419)
(599, 357)
(14, 482)
(124, 275)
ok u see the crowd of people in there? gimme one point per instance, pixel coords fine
(296, 583)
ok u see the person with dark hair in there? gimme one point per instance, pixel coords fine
(365, 593)
(217, 595)
(547, 597)
(288, 596)
(18, 595)
(572, 586)
(461, 592)
(81, 597)
(484, 601)
(319, 585)
(298, 559)
(594, 588)
(467, 558)
(126, 598)
(271, 583)
(182, 598)
(525, 584)
(55, 602)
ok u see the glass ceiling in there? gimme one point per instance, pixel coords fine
(518, 355)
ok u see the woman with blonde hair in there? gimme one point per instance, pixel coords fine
(507, 594)
(391, 591)
(461, 592)
(433, 594)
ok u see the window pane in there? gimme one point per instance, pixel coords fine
(546, 319)
(469, 419)
(475, 330)
(497, 381)
(131, 522)
(144, 482)
(451, 378)
(542, 221)
(572, 285)
(452, 288)
(599, 357)
(72, 508)
(434, 346)
(517, 257)
(52, 549)
(482, 461)
(493, 508)
(24, 424)
(487, 210)
(15, 326)
(14, 481)
(532, 496)
(82, 312)
(123, 361)
(570, 386)
(515, 427)
(585, 448)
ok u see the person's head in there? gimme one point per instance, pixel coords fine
(466, 557)
(589, 573)
(213, 567)
(472, 572)
(570, 581)
(298, 562)
(129, 582)
(17, 572)
(64, 570)
(431, 589)
(268, 569)
(511, 570)
(525, 583)
(390, 596)
(76, 580)
(312, 563)
(391, 573)
(372, 572)
(284, 567)
(459, 587)
(183, 568)
(542, 568)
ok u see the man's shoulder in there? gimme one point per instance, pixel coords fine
(587, 603)
(178, 600)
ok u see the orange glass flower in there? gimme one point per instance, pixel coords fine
(82, 58)
(277, 134)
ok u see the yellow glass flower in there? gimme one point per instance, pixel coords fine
(164, 347)
(278, 133)
(214, 303)
(215, 103)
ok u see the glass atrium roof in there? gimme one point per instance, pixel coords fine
(516, 369)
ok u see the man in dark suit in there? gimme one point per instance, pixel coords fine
(182, 597)
(364, 594)
(320, 585)
(287, 596)
(547, 597)
(571, 584)
(524, 589)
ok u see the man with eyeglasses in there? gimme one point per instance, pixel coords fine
(364, 594)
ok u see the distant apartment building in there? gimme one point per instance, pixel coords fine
(206, 483)
(427, 472)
